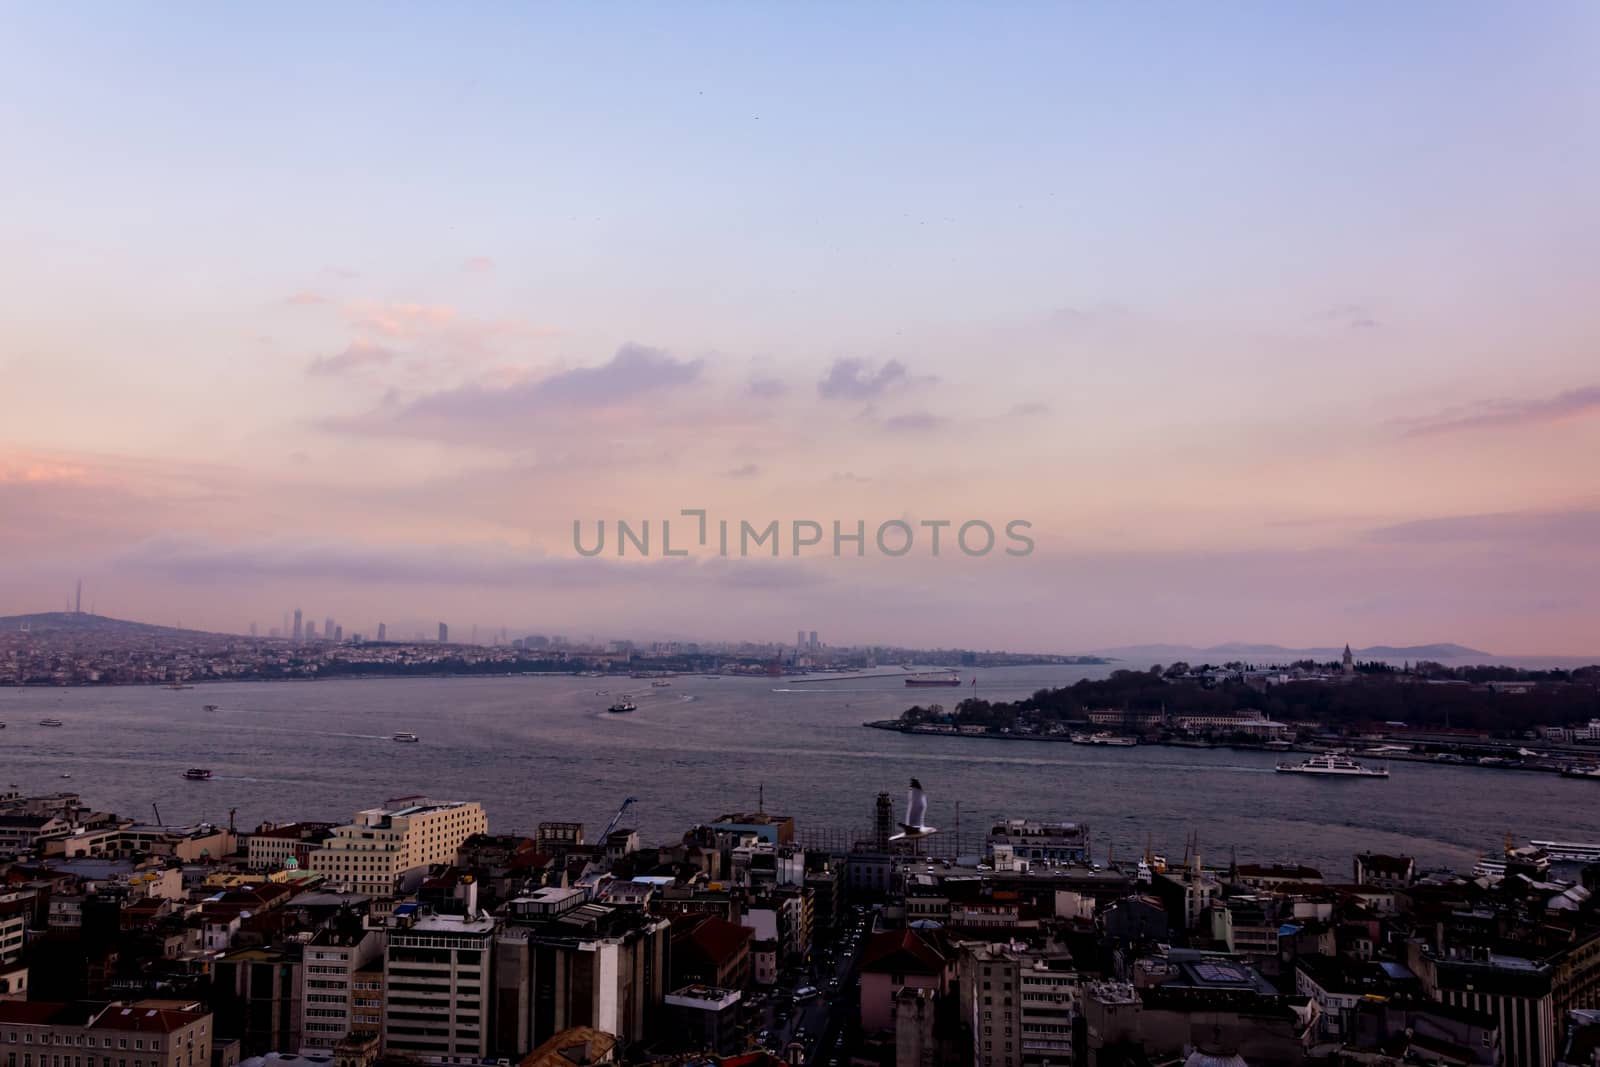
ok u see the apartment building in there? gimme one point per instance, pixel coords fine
(330, 963)
(372, 853)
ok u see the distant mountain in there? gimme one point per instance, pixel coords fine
(1240, 650)
(71, 622)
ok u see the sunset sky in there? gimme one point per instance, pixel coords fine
(1279, 322)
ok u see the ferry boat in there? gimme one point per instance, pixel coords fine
(1582, 772)
(660, 683)
(1569, 851)
(924, 681)
(197, 774)
(1117, 740)
(50, 722)
(407, 736)
(1333, 763)
(622, 707)
(211, 707)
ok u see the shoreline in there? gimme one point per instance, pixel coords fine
(894, 726)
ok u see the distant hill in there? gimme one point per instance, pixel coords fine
(84, 624)
(1239, 650)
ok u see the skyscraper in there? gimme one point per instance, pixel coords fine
(814, 643)
(298, 632)
(338, 633)
(383, 631)
(799, 640)
(327, 629)
(444, 634)
(311, 631)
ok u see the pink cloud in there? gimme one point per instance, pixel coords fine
(401, 320)
(306, 298)
(477, 265)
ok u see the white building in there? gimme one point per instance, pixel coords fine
(437, 973)
(371, 854)
(1062, 842)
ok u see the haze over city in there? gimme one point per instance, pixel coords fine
(1275, 322)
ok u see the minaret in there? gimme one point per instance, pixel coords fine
(1349, 661)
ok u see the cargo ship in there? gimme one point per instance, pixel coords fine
(925, 681)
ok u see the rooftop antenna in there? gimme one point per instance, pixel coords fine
(78, 607)
(231, 813)
(157, 811)
(761, 798)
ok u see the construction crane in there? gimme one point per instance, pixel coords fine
(617, 818)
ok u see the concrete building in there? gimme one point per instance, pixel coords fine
(916, 1029)
(992, 998)
(1515, 992)
(366, 999)
(1021, 1005)
(590, 966)
(437, 974)
(16, 909)
(256, 998)
(704, 1019)
(331, 959)
(372, 853)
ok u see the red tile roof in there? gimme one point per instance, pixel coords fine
(901, 952)
(718, 940)
(146, 1020)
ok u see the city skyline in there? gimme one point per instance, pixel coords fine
(1285, 365)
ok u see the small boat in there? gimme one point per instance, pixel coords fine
(1335, 764)
(66, 776)
(211, 707)
(197, 774)
(407, 736)
(622, 707)
(660, 683)
(1592, 771)
(50, 722)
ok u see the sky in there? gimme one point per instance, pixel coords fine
(1273, 322)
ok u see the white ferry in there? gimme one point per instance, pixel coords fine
(1569, 851)
(1333, 763)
